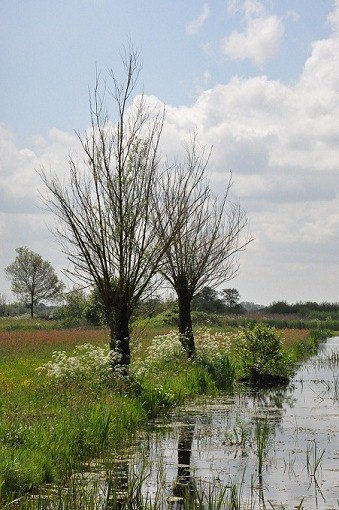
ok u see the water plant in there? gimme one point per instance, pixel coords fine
(290, 464)
(54, 420)
(335, 388)
(239, 438)
(283, 507)
(313, 458)
(262, 435)
(334, 358)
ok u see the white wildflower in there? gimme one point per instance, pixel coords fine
(87, 362)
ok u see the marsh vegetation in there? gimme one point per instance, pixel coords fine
(73, 426)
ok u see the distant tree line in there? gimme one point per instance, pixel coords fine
(19, 308)
(304, 309)
(78, 307)
(81, 308)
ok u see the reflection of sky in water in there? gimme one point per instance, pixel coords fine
(304, 422)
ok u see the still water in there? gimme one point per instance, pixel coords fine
(278, 447)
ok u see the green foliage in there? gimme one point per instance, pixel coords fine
(52, 423)
(262, 355)
(166, 318)
(210, 301)
(207, 300)
(231, 297)
(170, 318)
(87, 364)
(207, 319)
(80, 309)
(156, 398)
(33, 279)
(307, 310)
(25, 324)
(94, 309)
(71, 313)
(151, 307)
(302, 350)
(221, 369)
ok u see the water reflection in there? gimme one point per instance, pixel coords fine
(184, 487)
(118, 485)
(228, 443)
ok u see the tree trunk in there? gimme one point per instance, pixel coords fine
(31, 309)
(120, 336)
(185, 322)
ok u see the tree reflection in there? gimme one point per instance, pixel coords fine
(118, 485)
(184, 486)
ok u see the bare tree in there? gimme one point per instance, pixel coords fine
(205, 248)
(33, 279)
(106, 209)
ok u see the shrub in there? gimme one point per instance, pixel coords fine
(164, 349)
(262, 357)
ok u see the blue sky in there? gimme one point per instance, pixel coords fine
(258, 80)
(49, 51)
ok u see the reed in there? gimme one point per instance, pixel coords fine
(313, 459)
(262, 436)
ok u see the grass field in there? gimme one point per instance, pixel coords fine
(49, 426)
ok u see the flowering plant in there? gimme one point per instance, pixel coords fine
(211, 350)
(166, 348)
(86, 363)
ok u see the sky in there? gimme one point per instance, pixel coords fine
(258, 80)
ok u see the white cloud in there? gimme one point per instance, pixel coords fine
(195, 25)
(282, 143)
(261, 38)
(292, 15)
(333, 17)
(24, 220)
(19, 167)
(253, 8)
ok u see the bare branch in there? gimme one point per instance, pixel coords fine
(105, 210)
(209, 234)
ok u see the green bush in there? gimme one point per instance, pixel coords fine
(262, 356)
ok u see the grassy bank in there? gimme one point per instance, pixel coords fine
(55, 418)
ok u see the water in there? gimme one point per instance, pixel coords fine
(279, 447)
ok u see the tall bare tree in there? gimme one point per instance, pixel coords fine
(205, 248)
(106, 209)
